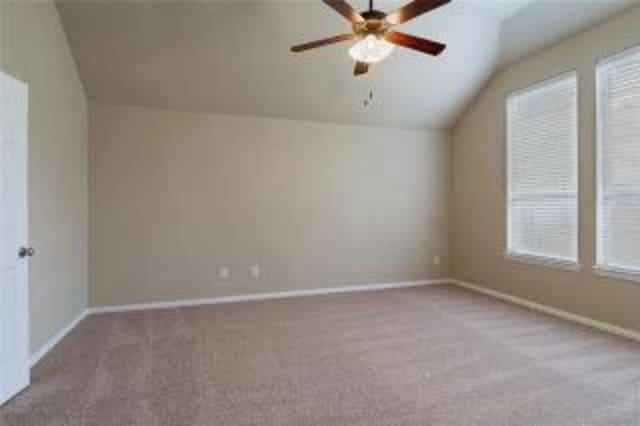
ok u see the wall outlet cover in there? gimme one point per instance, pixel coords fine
(224, 273)
(255, 271)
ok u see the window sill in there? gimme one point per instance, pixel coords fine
(565, 265)
(618, 273)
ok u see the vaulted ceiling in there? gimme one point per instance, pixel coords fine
(230, 56)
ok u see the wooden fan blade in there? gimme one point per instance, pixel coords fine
(344, 9)
(360, 68)
(416, 43)
(413, 9)
(319, 43)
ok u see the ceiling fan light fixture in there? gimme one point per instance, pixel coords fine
(371, 49)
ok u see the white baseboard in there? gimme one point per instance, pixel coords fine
(599, 325)
(49, 344)
(264, 296)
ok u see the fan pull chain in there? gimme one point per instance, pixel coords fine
(368, 100)
(367, 85)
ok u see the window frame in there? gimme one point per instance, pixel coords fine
(600, 268)
(537, 260)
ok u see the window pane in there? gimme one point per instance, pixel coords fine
(543, 170)
(619, 162)
(540, 228)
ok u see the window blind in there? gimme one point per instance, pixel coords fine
(542, 171)
(619, 162)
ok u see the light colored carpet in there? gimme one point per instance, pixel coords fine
(426, 356)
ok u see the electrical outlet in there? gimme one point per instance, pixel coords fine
(255, 271)
(224, 273)
(437, 260)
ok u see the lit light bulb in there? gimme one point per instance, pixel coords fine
(371, 49)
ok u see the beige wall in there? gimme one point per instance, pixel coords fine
(35, 50)
(176, 196)
(478, 231)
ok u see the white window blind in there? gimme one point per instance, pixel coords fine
(619, 162)
(542, 171)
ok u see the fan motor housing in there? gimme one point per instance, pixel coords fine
(374, 23)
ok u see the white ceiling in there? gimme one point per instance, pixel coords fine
(231, 56)
(498, 9)
(559, 18)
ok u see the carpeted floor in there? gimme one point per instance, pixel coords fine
(426, 356)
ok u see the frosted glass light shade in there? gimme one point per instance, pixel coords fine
(371, 49)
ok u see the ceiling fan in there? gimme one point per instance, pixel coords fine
(373, 30)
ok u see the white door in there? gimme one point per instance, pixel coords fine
(14, 302)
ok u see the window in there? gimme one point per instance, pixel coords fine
(618, 103)
(542, 172)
